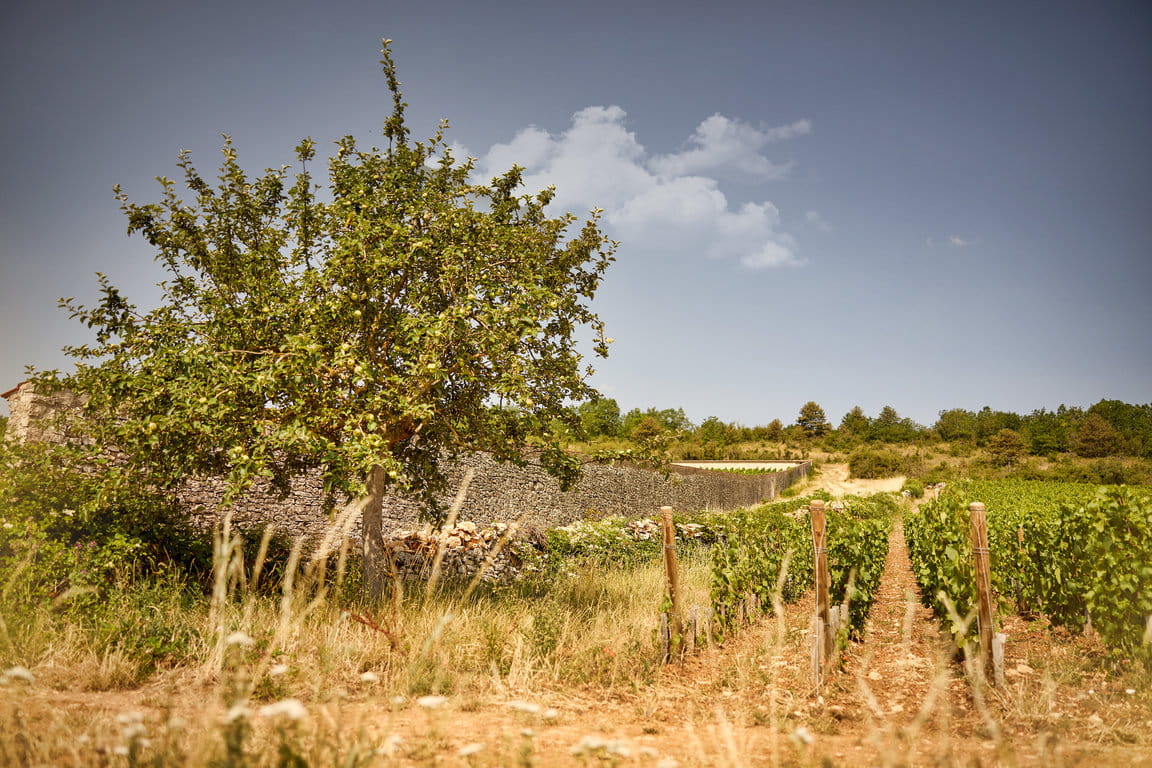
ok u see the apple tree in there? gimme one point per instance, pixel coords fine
(403, 314)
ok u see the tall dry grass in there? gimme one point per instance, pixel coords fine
(258, 655)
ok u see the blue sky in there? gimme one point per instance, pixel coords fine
(919, 204)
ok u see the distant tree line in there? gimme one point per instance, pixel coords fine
(1108, 428)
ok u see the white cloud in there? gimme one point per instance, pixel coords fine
(952, 241)
(721, 143)
(816, 220)
(661, 204)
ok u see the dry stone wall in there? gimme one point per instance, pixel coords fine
(501, 492)
(498, 492)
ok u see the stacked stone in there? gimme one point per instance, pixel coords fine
(648, 529)
(466, 549)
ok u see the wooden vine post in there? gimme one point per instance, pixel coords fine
(820, 552)
(979, 517)
(672, 575)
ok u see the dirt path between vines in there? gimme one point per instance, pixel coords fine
(898, 684)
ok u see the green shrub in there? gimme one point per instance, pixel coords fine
(869, 463)
(915, 488)
(62, 532)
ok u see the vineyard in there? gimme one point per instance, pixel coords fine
(1078, 554)
(769, 548)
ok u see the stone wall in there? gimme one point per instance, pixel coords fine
(500, 492)
(497, 492)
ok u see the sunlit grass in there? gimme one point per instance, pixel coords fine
(262, 656)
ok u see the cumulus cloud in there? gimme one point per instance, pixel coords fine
(658, 203)
(723, 144)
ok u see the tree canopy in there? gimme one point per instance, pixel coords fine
(600, 417)
(366, 329)
(812, 420)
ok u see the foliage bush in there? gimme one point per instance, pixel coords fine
(857, 552)
(64, 533)
(913, 488)
(755, 545)
(612, 541)
(870, 463)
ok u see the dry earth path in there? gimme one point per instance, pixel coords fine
(898, 684)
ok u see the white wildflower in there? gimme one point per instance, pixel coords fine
(289, 708)
(121, 750)
(369, 677)
(390, 745)
(399, 701)
(802, 736)
(20, 674)
(236, 712)
(524, 706)
(243, 639)
(593, 745)
(667, 762)
(470, 749)
(277, 669)
(133, 731)
(550, 715)
(431, 702)
(528, 733)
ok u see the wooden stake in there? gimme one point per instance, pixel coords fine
(672, 572)
(817, 652)
(980, 553)
(998, 641)
(665, 640)
(820, 551)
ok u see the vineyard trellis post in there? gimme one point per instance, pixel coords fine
(820, 558)
(672, 574)
(980, 553)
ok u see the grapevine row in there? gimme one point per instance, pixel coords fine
(754, 547)
(1076, 553)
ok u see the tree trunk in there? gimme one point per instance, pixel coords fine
(375, 564)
